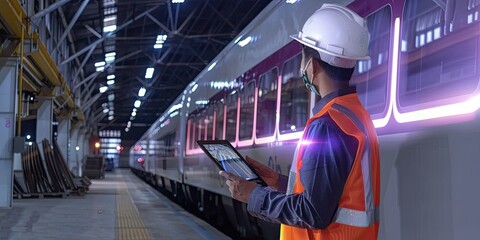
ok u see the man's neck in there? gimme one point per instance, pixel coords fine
(328, 86)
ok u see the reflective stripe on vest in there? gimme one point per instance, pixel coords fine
(350, 216)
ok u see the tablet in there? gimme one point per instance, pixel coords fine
(229, 160)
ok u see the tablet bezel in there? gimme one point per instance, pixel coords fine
(201, 143)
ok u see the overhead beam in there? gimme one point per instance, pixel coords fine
(94, 44)
(49, 9)
(90, 101)
(80, 68)
(221, 16)
(186, 21)
(95, 74)
(70, 38)
(165, 28)
(72, 23)
(98, 35)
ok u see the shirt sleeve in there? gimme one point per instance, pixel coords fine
(327, 161)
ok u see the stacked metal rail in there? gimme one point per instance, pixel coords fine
(48, 175)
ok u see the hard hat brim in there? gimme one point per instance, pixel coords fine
(297, 38)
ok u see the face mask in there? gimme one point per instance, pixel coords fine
(308, 84)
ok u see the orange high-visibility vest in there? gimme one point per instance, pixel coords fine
(358, 208)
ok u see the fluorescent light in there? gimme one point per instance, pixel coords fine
(99, 64)
(110, 28)
(149, 72)
(100, 69)
(110, 113)
(161, 38)
(111, 76)
(134, 114)
(111, 97)
(178, 1)
(134, 110)
(28, 136)
(103, 89)
(127, 129)
(141, 92)
(77, 148)
(137, 104)
(159, 42)
(105, 110)
(291, 1)
(110, 82)
(110, 118)
(129, 123)
(110, 18)
(110, 54)
(245, 41)
(109, 59)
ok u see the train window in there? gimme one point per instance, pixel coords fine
(191, 124)
(247, 101)
(267, 103)
(232, 104)
(219, 108)
(200, 126)
(294, 98)
(439, 51)
(371, 76)
(209, 123)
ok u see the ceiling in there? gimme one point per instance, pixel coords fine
(196, 30)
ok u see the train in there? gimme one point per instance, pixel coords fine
(421, 87)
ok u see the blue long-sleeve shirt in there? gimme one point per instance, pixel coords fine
(327, 161)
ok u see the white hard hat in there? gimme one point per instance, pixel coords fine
(339, 34)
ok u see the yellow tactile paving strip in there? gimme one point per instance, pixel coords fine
(129, 224)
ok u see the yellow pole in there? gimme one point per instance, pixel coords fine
(20, 80)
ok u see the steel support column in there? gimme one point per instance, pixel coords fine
(82, 152)
(44, 120)
(63, 138)
(8, 88)
(72, 159)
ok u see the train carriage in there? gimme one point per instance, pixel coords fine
(421, 87)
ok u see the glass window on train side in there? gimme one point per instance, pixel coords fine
(294, 98)
(371, 76)
(192, 132)
(209, 123)
(200, 128)
(232, 104)
(219, 117)
(440, 50)
(267, 103)
(247, 103)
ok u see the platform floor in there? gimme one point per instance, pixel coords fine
(121, 206)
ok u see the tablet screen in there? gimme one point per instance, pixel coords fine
(229, 159)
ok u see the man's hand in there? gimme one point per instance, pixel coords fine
(267, 174)
(239, 188)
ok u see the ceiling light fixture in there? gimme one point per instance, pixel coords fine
(141, 92)
(149, 72)
(137, 104)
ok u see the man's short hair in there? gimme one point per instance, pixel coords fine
(335, 73)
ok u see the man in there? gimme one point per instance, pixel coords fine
(334, 184)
